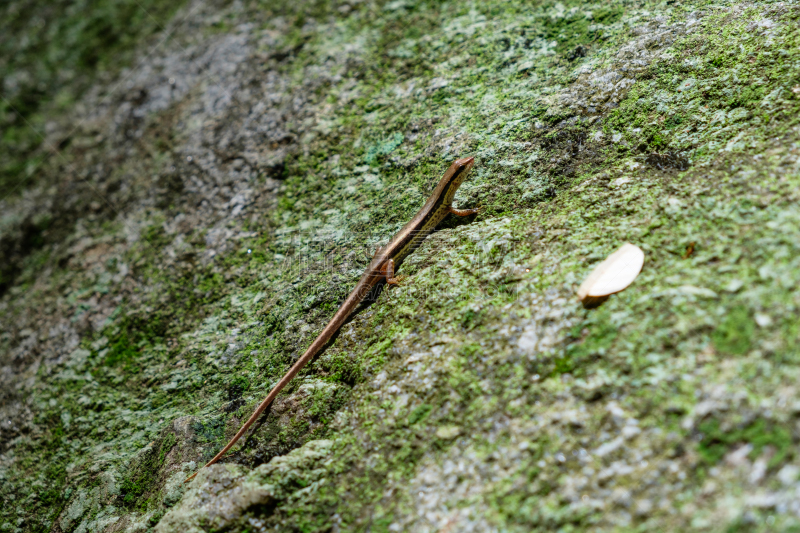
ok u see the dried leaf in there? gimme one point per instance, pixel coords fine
(612, 275)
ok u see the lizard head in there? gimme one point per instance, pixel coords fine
(453, 179)
(459, 170)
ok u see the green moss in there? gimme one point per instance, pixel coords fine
(211, 430)
(571, 28)
(592, 340)
(383, 148)
(734, 335)
(122, 351)
(419, 414)
(343, 368)
(142, 475)
(713, 88)
(716, 442)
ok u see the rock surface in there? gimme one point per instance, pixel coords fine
(189, 193)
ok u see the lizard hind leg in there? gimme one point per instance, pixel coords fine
(388, 271)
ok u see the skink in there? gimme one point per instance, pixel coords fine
(384, 264)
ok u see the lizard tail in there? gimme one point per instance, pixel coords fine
(312, 350)
(336, 322)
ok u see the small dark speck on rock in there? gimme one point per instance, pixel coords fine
(579, 51)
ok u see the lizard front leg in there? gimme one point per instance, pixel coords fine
(463, 212)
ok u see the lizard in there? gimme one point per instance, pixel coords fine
(382, 267)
